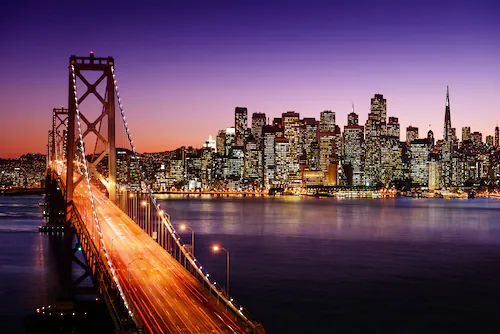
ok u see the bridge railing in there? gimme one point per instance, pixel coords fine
(144, 209)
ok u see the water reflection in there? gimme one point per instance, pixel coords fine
(388, 219)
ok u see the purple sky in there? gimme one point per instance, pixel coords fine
(182, 66)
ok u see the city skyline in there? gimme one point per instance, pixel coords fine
(207, 59)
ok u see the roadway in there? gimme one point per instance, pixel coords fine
(165, 296)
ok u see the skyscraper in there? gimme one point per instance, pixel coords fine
(291, 131)
(466, 133)
(419, 161)
(379, 108)
(448, 144)
(391, 154)
(268, 161)
(497, 138)
(282, 160)
(411, 134)
(447, 135)
(258, 121)
(240, 125)
(352, 118)
(253, 162)
(354, 153)
(327, 121)
(393, 128)
(310, 133)
(375, 128)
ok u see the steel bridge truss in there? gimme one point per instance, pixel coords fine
(103, 66)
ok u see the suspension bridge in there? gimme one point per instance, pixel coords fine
(150, 280)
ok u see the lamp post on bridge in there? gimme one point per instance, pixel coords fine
(113, 242)
(216, 248)
(132, 210)
(147, 226)
(128, 266)
(183, 227)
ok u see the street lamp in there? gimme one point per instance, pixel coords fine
(145, 204)
(183, 227)
(216, 248)
(128, 266)
(113, 242)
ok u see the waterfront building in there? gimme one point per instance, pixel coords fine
(282, 160)
(207, 167)
(354, 153)
(177, 170)
(309, 130)
(419, 161)
(326, 154)
(236, 163)
(291, 131)
(240, 124)
(434, 171)
(253, 162)
(193, 168)
(375, 128)
(268, 161)
(391, 160)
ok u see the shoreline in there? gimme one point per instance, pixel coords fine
(22, 191)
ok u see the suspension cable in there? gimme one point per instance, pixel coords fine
(166, 217)
(96, 219)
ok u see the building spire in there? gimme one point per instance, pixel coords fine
(352, 109)
(447, 96)
(447, 117)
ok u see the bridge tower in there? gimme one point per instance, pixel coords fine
(81, 68)
(107, 136)
(58, 134)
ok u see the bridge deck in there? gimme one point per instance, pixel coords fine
(166, 296)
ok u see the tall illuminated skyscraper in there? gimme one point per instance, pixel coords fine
(466, 133)
(268, 152)
(375, 128)
(352, 118)
(354, 152)
(240, 125)
(419, 161)
(291, 131)
(393, 128)
(258, 121)
(497, 138)
(327, 121)
(310, 133)
(391, 154)
(448, 144)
